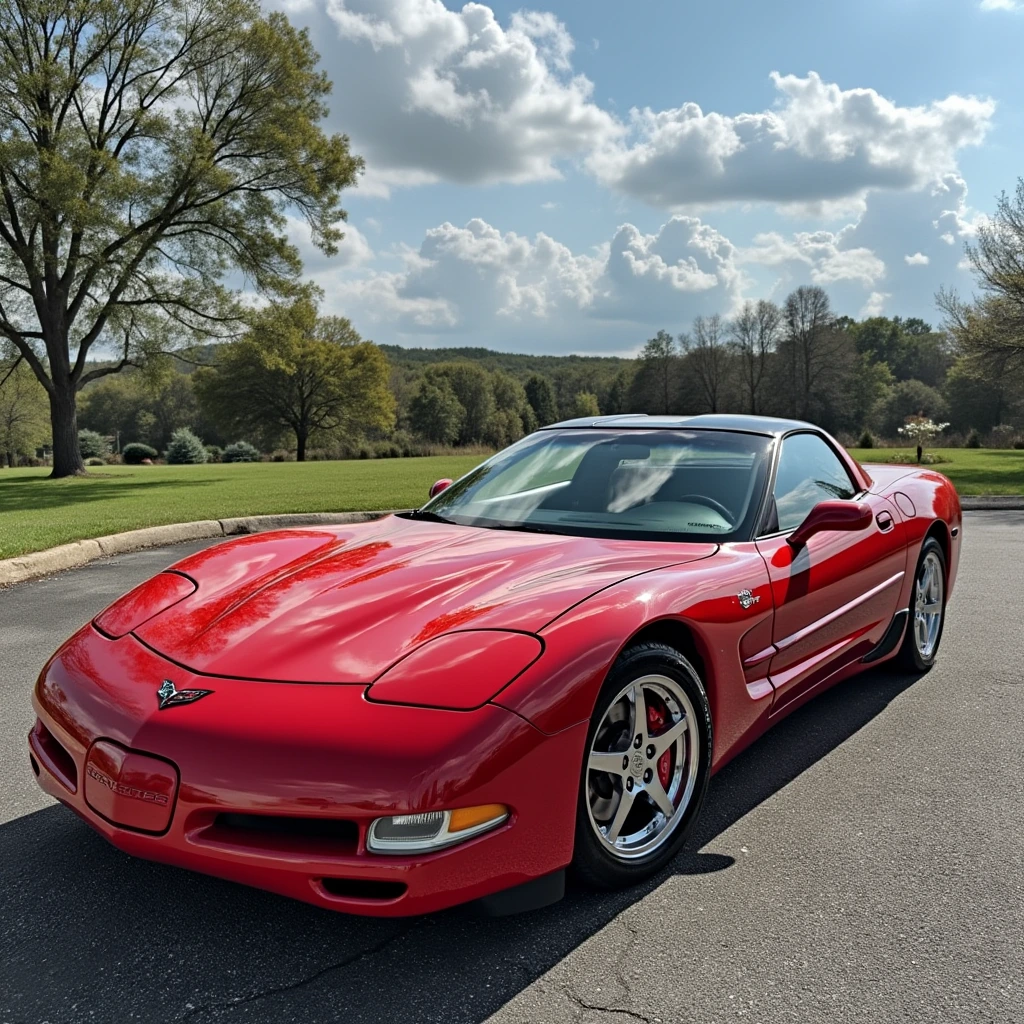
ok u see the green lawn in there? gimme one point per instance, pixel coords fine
(37, 513)
(972, 470)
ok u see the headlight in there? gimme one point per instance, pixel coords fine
(141, 604)
(458, 671)
(432, 830)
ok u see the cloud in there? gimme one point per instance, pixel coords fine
(353, 250)
(875, 305)
(430, 94)
(1001, 5)
(476, 284)
(917, 260)
(819, 145)
(821, 256)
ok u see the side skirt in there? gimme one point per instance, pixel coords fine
(889, 642)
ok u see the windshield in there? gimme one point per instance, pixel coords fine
(657, 484)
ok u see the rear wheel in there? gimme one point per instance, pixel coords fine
(927, 610)
(647, 765)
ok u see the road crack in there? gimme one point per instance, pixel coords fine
(583, 1004)
(302, 982)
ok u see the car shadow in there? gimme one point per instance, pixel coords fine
(91, 933)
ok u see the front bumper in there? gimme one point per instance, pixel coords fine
(298, 753)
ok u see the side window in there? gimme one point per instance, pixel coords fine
(809, 472)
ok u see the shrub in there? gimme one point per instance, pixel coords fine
(134, 453)
(282, 455)
(215, 452)
(1019, 445)
(973, 440)
(866, 440)
(240, 451)
(92, 445)
(185, 449)
(1001, 436)
(95, 462)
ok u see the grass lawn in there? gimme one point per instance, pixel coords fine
(37, 513)
(972, 470)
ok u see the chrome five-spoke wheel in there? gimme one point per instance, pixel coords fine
(642, 766)
(923, 634)
(928, 604)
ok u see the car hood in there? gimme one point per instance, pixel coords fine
(340, 605)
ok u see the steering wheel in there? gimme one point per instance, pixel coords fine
(700, 499)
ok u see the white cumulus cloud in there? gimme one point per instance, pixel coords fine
(820, 144)
(917, 260)
(430, 94)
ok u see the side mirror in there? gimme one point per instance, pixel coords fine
(832, 515)
(439, 486)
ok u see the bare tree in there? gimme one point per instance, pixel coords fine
(810, 341)
(707, 358)
(755, 331)
(992, 326)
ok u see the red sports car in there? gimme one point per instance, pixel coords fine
(541, 667)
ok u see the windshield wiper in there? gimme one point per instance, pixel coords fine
(430, 517)
(521, 527)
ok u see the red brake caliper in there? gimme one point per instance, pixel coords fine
(655, 723)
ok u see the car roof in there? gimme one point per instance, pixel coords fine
(769, 426)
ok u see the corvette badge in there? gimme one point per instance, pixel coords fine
(168, 695)
(747, 599)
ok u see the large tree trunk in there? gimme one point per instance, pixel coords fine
(67, 459)
(300, 446)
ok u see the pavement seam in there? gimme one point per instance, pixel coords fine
(303, 982)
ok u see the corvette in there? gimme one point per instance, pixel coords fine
(541, 668)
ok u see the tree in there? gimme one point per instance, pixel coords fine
(992, 326)
(297, 372)
(147, 148)
(23, 420)
(510, 397)
(905, 400)
(755, 331)
(186, 449)
(585, 405)
(809, 346)
(655, 386)
(618, 392)
(471, 385)
(707, 360)
(541, 396)
(435, 413)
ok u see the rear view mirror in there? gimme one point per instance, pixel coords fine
(439, 486)
(832, 515)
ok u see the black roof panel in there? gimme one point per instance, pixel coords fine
(768, 425)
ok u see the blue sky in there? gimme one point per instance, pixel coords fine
(573, 176)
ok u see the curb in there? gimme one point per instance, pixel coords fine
(988, 502)
(81, 552)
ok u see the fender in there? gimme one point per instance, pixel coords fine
(701, 602)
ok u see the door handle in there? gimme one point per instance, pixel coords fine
(884, 521)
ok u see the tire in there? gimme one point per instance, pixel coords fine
(924, 632)
(621, 844)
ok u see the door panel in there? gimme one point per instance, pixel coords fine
(834, 598)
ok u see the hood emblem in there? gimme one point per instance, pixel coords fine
(747, 599)
(168, 695)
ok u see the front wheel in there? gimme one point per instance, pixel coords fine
(927, 609)
(648, 760)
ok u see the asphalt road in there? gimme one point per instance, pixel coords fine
(862, 862)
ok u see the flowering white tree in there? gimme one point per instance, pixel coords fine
(920, 429)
